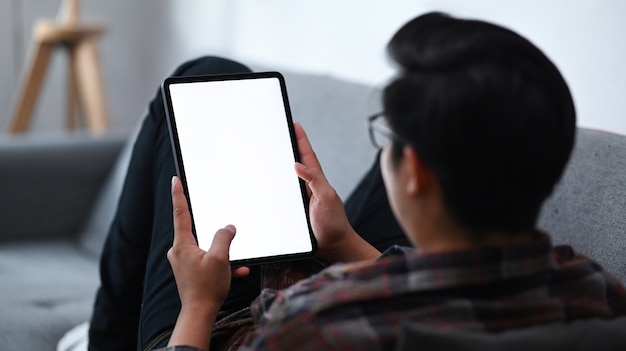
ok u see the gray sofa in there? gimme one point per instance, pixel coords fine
(59, 194)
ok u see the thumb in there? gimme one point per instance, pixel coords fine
(222, 240)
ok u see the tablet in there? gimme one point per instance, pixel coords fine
(234, 147)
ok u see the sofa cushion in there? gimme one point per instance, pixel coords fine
(584, 335)
(46, 287)
(587, 209)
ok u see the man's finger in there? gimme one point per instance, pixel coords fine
(307, 155)
(239, 272)
(302, 172)
(182, 218)
(222, 239)
(315, 180)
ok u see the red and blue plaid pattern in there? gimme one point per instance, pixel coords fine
(361, 306)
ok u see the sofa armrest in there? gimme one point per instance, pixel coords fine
(49, 182)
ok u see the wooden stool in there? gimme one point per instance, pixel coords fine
(85, 87)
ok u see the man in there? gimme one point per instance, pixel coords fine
(477, 128)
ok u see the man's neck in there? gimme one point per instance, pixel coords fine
(445, 235)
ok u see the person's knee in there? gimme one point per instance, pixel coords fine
(210, 65)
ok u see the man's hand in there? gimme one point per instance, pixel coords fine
(336, 239)
(202, 277)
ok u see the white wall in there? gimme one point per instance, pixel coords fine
(346, 38)
(7, 65)
(146, 39)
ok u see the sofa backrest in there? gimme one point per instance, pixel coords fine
(588, 207)
(334, 114)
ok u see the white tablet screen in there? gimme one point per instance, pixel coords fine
(238, 161)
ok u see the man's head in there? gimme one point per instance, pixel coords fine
(486, 112)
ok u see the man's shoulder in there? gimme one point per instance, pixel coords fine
(365, 302)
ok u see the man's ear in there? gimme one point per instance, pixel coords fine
(420, 177)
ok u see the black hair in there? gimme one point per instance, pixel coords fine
(487, 112)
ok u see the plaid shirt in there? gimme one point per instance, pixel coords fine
(361, 306)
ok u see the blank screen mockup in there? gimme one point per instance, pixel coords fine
(238, 162)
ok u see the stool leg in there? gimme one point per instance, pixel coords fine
(72, 91)
(90, 85)
(31, 85)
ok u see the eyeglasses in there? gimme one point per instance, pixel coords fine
(381, 133)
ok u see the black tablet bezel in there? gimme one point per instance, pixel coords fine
(180, 169)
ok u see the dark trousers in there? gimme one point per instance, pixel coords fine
(137, 303)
